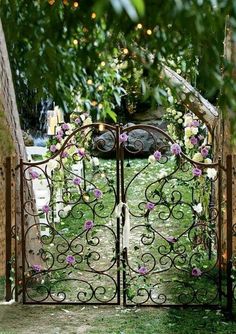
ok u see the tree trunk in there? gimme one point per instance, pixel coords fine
(224, 145)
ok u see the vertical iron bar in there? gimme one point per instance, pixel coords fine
(53, 202)
(220, 227)
(8, 208)
(84, 174)
(211, 206)
(16, 206)
(229, 168)
(22, 227)
(118, 219)
(124, 251)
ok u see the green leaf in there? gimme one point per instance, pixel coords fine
(112, 114)
(117, 5)
(127, 6)
(140, 6)
(118, 98)
(144, 87)
(157, 95)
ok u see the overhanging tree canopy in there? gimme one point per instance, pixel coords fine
(55, 46)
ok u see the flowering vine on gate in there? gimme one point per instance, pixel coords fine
(150, 249)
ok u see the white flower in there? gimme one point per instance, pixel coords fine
(151, 159)
(173, 112)
(69, 132)
(180, 121)
(82, 117)
(58, 128)
(198, 208)
(58, 146)
(170, 99)
(207, 161)
(188, 132)
(187, 120)
(198, 157)
(211, 173)
(88, 121)
(194, 130)
(95, 161)
(69, 126)
(188, 144)
(53, 164)
(178, 115)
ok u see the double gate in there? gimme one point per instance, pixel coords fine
(139, 224)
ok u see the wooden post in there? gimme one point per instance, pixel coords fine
(229, 171)
(8, 208)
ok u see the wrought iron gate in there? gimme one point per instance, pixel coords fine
(111, 234)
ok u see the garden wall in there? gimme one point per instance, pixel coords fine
(11, 141)
(11, 145)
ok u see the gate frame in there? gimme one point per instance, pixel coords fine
(120, 195)
(218, 225)
(23, 163)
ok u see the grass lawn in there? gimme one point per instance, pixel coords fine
(89, 319)
(22, 319)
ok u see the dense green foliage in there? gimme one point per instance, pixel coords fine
(55, 47)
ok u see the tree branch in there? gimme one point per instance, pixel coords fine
(191, 98)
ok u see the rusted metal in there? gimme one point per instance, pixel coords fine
(8, 208)
(229, 186)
